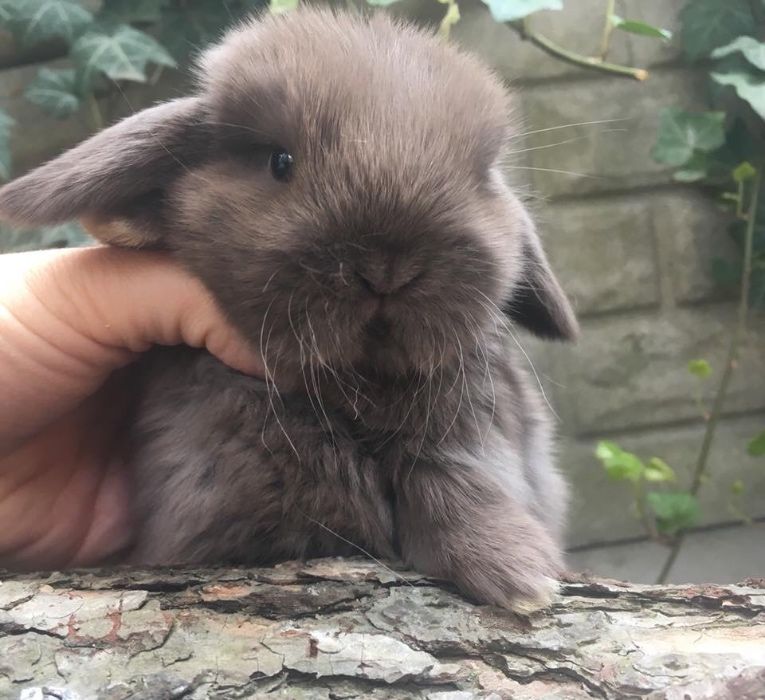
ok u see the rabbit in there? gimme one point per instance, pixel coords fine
(334, 181)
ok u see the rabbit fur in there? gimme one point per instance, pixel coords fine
(382, 275)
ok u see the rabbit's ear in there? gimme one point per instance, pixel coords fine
(538, 303)
(114, 181)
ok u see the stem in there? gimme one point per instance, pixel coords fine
(643, 511)
(740, 201)
(738, 335)
(608, 27)
(593, 62)
(95, 113)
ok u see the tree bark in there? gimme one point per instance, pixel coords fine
(352, 629)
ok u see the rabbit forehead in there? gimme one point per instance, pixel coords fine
(313, 77)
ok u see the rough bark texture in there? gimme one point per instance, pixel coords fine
(353, 629)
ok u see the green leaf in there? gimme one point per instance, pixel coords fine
(184, 31)
(756, 447)
(749, 87)
(743, 172)
(619, 464)
(277, 7)
(674, 510)
(683, 133)
(511, 10)
(120, 52)
(700, 368)
(708, 24)
(641, 28)
(65, 236)
(35, 21)
(128, 11)
(6, 124)
(737, 487)
(7, 12)
(451, 17)
(55, 92)
(753, 50)
(658, 470)
(697, 168)
(726, 273)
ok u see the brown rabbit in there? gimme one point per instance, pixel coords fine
(335, 183)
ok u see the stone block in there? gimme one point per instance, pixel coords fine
(603, 253)
(737, 556)
(601, 507)
(615, 155)
(631, 371)
(692, 231)
(578, 27)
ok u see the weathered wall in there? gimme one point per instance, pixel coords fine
(632, 248)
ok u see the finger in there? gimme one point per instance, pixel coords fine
(70, 318)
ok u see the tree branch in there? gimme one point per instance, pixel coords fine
(349, 628)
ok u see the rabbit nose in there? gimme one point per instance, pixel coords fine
(384, 281)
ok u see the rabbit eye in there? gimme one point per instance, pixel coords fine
(281, 164)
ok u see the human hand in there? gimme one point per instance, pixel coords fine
(71, 322)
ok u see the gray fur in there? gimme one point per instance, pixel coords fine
(400, 422)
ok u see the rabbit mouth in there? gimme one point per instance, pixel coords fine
(378, 329)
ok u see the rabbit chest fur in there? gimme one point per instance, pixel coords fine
(344, 205)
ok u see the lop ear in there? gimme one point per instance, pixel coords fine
(538, 303)
(114, 181)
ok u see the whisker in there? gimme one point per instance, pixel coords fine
(266, 376)
(563, 143)
(571, 126)
(499, 316)
(358, 548)
(556, 171)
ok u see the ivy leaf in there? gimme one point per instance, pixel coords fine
(6, 124)
(7, 12)
(727, 274)
(697, 168)
(35, 21)
(753, 50)
(69, 235)
(749, 87)
(756, 447)
(128, 11)
(120, 52)
(658, 470)
(674, 510)
(682, 133)
(641, 28)
(55, 92)
(277, 7)
(186, 30)
(451, 17)
(619, 465)
(700, 368)
(708, 24)
(511, 10)
(743, 172)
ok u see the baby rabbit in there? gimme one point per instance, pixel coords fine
(335, 183)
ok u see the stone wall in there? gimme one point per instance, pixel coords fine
(631, 247)
(634, 251)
